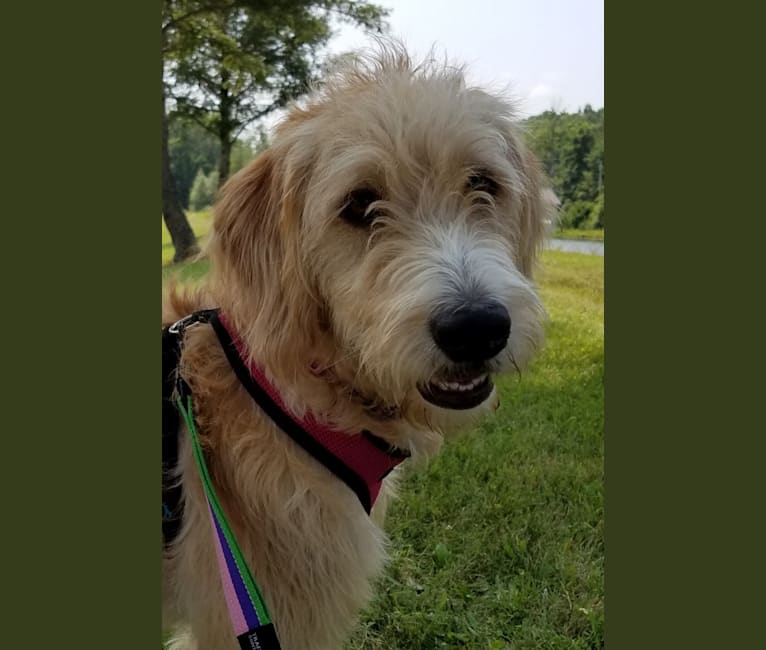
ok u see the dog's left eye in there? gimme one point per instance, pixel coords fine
(481, 182)
(356, 208)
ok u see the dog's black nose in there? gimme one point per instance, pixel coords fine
(472, 333)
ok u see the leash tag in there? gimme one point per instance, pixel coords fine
(260, 638)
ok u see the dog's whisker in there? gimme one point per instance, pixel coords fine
(329, 366)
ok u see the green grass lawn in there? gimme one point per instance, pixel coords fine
(498, 544)
(572, 233)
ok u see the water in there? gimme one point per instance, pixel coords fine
(576, 246)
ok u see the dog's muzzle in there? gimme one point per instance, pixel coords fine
(469, 336)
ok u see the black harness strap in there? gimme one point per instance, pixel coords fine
(172, 493)
(172, 341)
(286, 423)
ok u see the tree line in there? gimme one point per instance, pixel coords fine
(195, 161)
(571, 149)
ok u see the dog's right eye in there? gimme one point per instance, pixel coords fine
(482, 182)
(356, 209)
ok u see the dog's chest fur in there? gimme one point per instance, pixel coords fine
(311, 547)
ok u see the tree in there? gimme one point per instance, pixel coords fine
(184, 240)
(234, 63)
(203, 190)
(182, 23)
(177, 19)
(192, 149)
(246, 150)
(571, 149)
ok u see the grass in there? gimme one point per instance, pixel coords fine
(572, 233)
(498, 544)
(186, 272)
(200, 223)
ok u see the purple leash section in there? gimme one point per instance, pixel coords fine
(249, 615)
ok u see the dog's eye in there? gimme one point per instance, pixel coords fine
(481, 182)
(356, 209)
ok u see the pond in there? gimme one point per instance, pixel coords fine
(576, 246)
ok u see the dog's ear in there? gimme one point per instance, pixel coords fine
(245, 240)
(255, 253)
(535, 208)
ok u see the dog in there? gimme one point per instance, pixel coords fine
(376, 261)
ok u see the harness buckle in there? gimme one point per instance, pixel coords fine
(202, 316)
(180, 325)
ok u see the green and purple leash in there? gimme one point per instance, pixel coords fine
(249, 615)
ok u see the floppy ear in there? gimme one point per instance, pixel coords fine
(255, 254)
(537, 210)
(246, 216)
(533, 197)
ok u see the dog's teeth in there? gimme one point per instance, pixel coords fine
(457, 386)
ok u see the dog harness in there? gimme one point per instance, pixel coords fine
(361, 460)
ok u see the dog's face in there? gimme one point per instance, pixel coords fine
(403, 213)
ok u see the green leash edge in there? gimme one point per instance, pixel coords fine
(255, 593)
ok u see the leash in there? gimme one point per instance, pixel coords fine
(249, 615)
(172, 493)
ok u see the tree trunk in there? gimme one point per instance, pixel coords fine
(224, 128)
(224, 164)
(184, 240)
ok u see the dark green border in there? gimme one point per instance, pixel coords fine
(81, 299)
(681, 499)
(81, 363)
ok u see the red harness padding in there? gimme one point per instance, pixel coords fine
(359, 459)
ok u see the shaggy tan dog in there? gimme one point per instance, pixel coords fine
(376, 261)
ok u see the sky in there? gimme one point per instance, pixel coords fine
(550, 53)
(542, 53)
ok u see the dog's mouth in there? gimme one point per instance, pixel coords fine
(458, 390)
